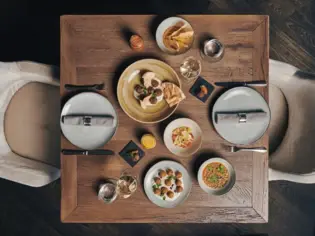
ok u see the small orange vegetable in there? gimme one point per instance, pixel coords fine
(136, 43)
(203, 91)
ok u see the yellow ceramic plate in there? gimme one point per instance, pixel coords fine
(125, 90)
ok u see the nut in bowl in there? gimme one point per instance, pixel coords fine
(183, 137)
(174, 36)
(216, 176)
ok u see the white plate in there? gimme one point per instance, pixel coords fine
(229, 185)
(88, 137)
(241, 99)
(196, 131)
(162, 28)
(153, 172)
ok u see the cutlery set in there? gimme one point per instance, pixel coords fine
(261, 83)
(254, 149)
(72, 87)
(87, 152)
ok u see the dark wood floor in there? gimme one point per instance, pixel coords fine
(30, 30)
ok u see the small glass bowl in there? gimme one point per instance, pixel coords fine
(107, 192)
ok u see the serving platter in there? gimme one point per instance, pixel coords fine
(131, 77)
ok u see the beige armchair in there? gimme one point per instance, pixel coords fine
(292, 128)
(30, 134)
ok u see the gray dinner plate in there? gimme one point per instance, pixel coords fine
(88, 137)
(236, 100)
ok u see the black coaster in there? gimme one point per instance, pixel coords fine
(195, 89)
(127, 156)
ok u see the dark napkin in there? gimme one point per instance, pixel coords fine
(124, 153)
(195, 89)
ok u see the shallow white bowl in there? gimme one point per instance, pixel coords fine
(153, 171)
(196, 131)
(160, 32)
(227, 187)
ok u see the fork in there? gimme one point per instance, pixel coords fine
(255, 149)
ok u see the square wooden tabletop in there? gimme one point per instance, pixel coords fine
(95, 49)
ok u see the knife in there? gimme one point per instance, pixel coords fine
(87, 152)
(260, 83)
(91, 86)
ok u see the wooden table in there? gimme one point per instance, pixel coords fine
(94, 49)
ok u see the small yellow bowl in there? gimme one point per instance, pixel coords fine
(148, 141)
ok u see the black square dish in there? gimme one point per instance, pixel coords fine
(126, 154)
(196, 88)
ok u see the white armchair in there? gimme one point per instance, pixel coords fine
(292, 128)
(30, 133)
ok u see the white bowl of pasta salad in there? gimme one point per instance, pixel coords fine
(183, 137)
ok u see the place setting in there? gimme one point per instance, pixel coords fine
(88, 120)
(151, 92)
(241, 115)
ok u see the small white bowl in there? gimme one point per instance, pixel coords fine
(217, 191)
(160, 32)
(196, 131)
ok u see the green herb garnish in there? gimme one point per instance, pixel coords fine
(210, 168)
(153, 95)
(156, 186)
(164, 198)
(213, 179)
(145, 91)
(221, 169)
(171, 177)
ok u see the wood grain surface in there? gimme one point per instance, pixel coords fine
(95, 49)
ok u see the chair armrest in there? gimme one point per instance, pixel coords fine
(31, 72)
(27, 171)
(39, 72)
(297, 178)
